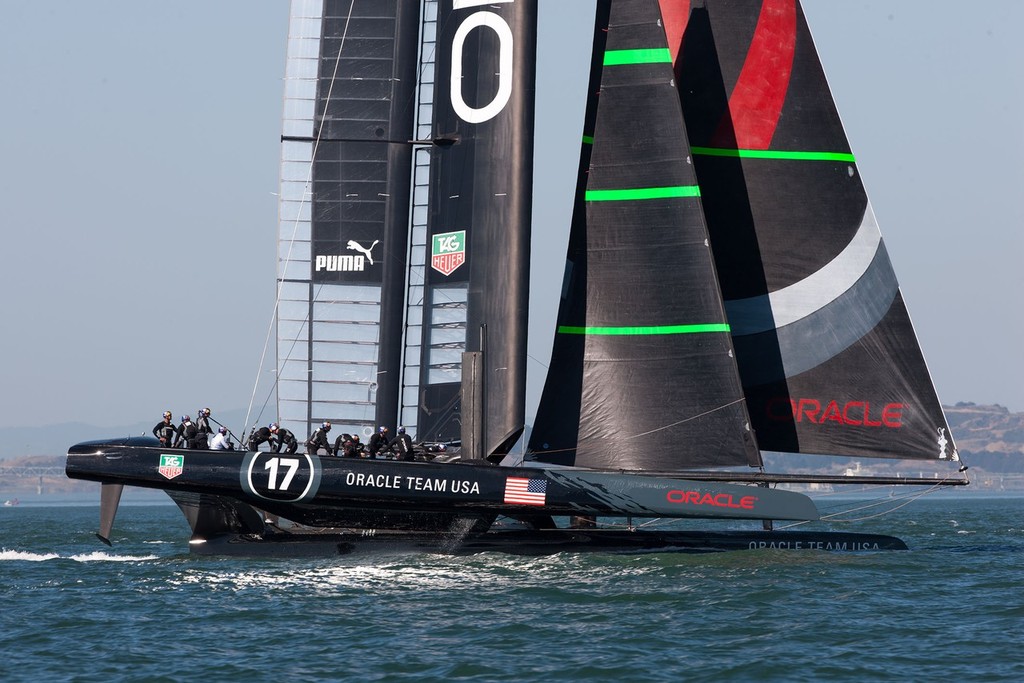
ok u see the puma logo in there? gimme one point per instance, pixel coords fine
(355, 246)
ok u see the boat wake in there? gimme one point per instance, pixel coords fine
(98, 556)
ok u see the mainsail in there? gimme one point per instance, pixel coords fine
(642, 372)
(345, 179)
(828, 357)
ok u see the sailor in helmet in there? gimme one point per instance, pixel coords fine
(318, 440)
(378, 442)
(261, 435)
(203, 421)
(402, 446)
(165, 430)
(185, 437)
(282, 438)
(222, 442)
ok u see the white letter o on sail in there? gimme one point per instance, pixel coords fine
(498, 25)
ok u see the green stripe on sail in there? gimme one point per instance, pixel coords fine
(772, 154)
(642, 193)
(588, 139)
(657, 55)
(648, 330)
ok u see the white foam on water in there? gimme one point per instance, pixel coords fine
(99, 556)
(7, 555)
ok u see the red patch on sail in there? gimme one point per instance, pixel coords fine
(756, 102)
(674, 15)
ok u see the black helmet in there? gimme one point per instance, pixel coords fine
(401, 430)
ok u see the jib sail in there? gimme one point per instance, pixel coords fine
(642, 375)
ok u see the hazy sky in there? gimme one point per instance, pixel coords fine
(139, 165)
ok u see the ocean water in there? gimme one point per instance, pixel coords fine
(950, 609)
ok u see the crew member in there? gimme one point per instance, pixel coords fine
(353, 448)
(203, 422)
(165, 430)
(340, 443)
(185, 436)
(318, 440)
(261, 435)
(378, 442)
(282, 438)
(402, 446)
(222, 442)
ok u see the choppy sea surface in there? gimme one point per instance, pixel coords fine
(950, 609)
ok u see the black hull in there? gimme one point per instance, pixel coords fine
(336, 506)
(324, 492)
(301, 543)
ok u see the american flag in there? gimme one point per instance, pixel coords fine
(526, 491)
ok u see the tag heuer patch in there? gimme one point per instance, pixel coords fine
(171, 465)
(448, 252)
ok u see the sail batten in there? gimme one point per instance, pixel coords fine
(642, 330)
(631, 194)
(772, 154)
(655, 55)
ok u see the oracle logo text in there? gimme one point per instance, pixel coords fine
(718, 500)
(851, 413)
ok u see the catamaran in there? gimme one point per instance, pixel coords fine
(727, 297)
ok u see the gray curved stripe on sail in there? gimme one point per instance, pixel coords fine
(813, 320)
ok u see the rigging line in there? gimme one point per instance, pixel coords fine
(907, 501)
(689, 419)
(295, 229)
(835, 517)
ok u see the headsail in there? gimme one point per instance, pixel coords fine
(642, 373)
(476, 292)
(345, 178)
(829, 359)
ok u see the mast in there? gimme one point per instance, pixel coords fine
(829, 359)
(642, 374)
(345, 179)
(479, 217)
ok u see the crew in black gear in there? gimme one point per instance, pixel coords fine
(319, 440)
(340, 443)
(261, 435)
(185, 436)
(203, 422)
(378, 442)
(165, 431)
(282, 438)
(352, 448)
(402, 446)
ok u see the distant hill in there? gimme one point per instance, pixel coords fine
(989, 437)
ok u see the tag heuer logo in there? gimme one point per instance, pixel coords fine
(171, 465)
(448, 252)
